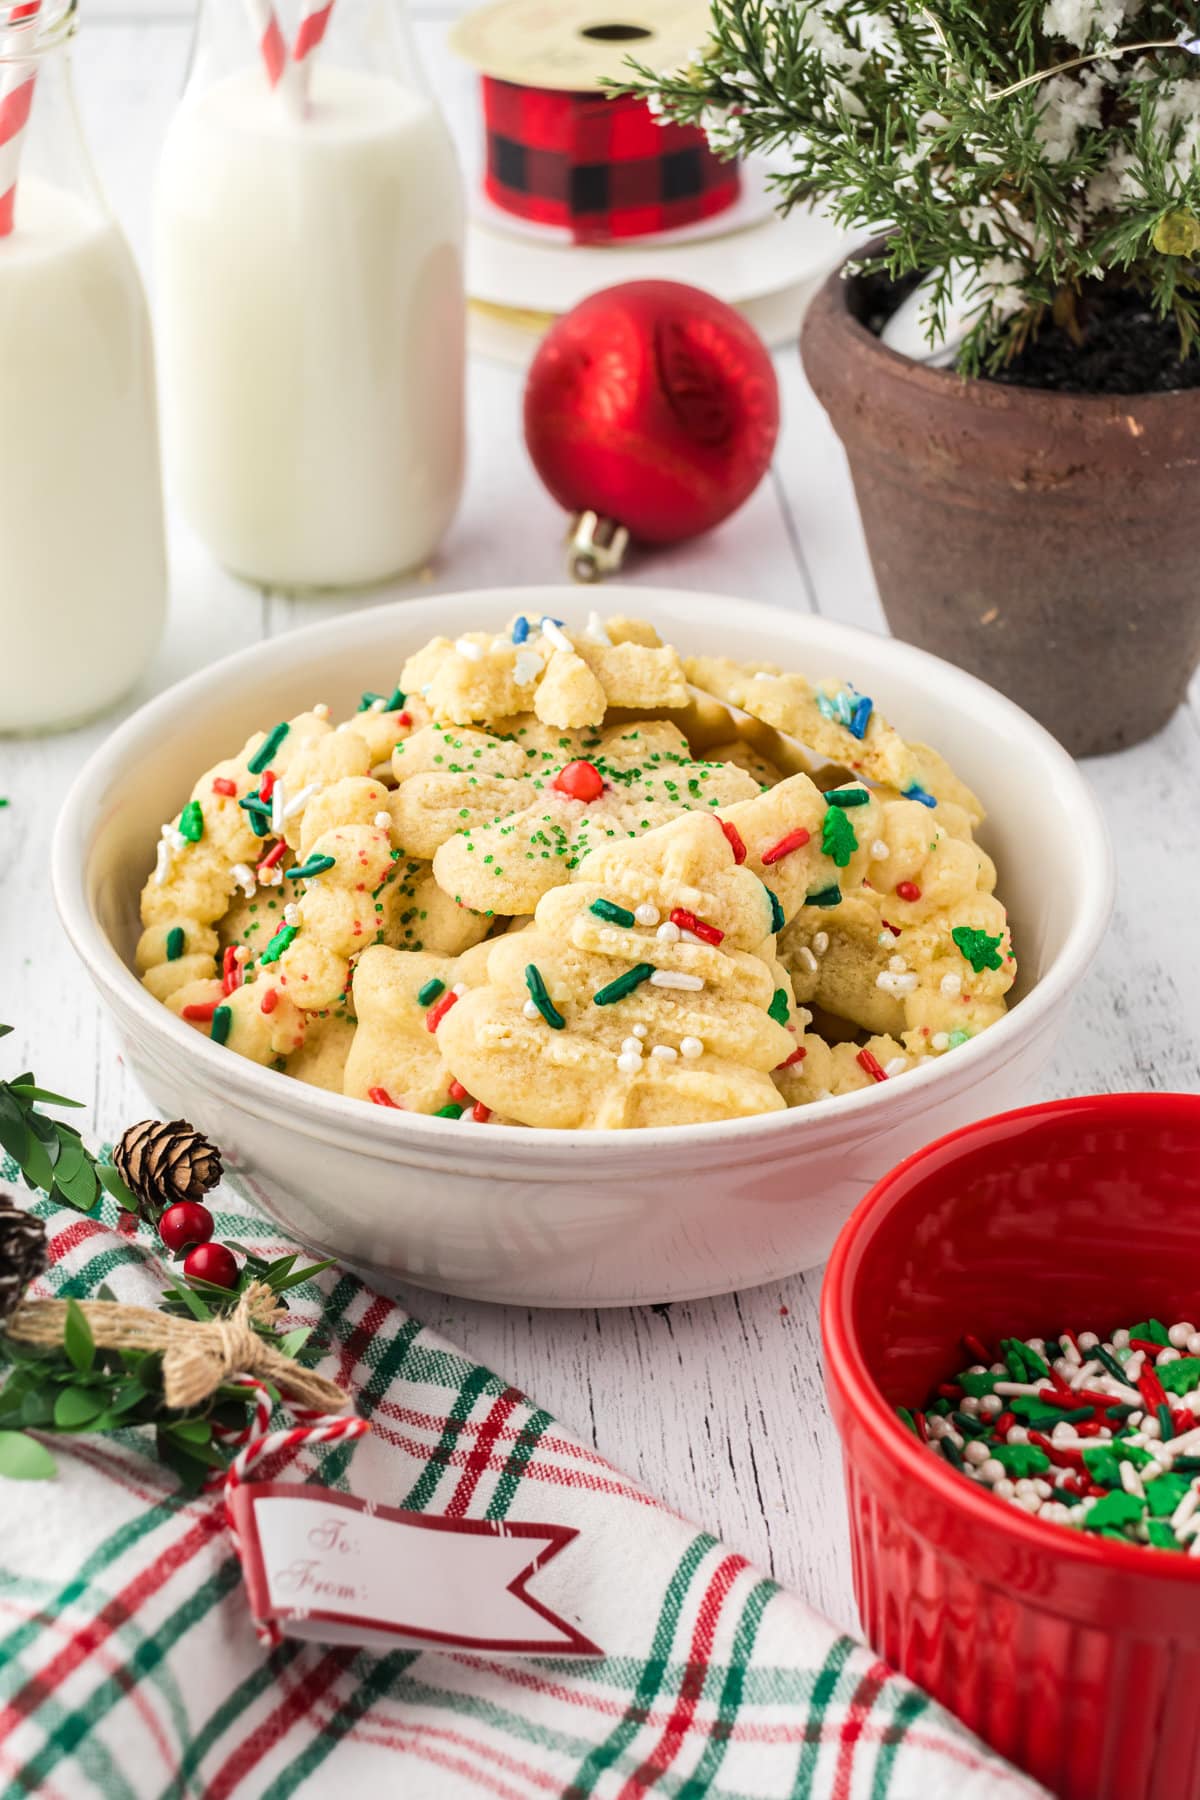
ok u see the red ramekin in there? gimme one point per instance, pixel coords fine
(1076, 1657)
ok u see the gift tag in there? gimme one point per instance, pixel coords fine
(338, 1570)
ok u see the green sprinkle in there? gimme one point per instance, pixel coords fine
(624, 984)
(278, 944)
(316, 865)
(958, 1037)
(1020, 1460)
(222, 1019)
(368, 700)
(541, 999)
(906, 1419)
(779, 1010)
(977, 1385)
(428, 994)
(1161, 1536)
(1150, 1331)
(1110, 1364)
(778, 920)
(978, 948)
(1180, 1377)
(191, 822)
(266, 750)
(826, 896)
(837, 837)
(396, 700)
(951, 1452)
(451, 1110)
(1114, 1509)
(176, 943)
(616, 915)
(848, 797)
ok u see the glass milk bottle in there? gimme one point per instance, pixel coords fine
(82, 565)
(310, 295)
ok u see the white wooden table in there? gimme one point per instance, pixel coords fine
(717, 1405)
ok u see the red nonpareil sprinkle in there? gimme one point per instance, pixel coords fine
(436, 1014)
(379, 1096)
(457, 1091)
(907, 890)
(794, 840)
(274, 855)
(481, 1113)
(687, 921)
(199, 1012)
(798, 1055)
(404, 719)
(894, 929)
(223, 785)
(977, 1348)
(734, 839)
(871, 1065)
(579, 781)
(269, 1001)
(266, 786)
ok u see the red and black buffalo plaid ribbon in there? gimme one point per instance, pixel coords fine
(600, 169)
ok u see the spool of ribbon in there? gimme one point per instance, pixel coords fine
(603, 170)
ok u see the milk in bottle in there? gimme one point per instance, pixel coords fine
(82, 563)
(310, 306)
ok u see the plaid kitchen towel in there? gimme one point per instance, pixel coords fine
(129, 1666)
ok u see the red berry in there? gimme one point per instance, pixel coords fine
(187, 1222)
(580, 781)
(212, 1263)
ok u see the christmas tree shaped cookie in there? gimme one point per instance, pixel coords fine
(401, 999)
(566, 678)
(507, 818)
(643, 993)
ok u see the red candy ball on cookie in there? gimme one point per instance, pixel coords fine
(580, 781)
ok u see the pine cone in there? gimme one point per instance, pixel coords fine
(161, 1164)
(22, 1252)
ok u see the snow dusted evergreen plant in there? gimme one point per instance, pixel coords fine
(1020, 153)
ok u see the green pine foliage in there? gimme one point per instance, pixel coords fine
(897, 116)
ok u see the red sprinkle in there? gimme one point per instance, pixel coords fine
(871, 1065)
(798, 1055)
(795, 840)
(267, 785)
(1151, 1389)
(687, 921)
(405, 718)
(1149, 1349)
(907, 890)
(273, 856)
(380, 1097)
(734, 837)
(922, 1425)
(458, 1092)
(200, 1012)
(231, 970)
(579, 781)
(481, 1113)
(894, 929)
(977, 1348)
(269, 1001)
(950, 1390)
(436, 1014)
(223, 785)
(1004, 1423)
(1067, 1457)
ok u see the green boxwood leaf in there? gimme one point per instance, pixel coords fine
(77, 1408)
(112, 1184)
(22, 1458)
(27, 1091)
(78, 1341)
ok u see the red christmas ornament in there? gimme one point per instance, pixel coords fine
(651, 410)
(187, 1222)
(212, 1263)
(579, 781)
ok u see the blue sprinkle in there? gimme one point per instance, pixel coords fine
(520, 630)
(835, 707)
(547, 620)
(915, 792)
(860, 717)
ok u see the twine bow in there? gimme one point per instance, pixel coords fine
(198, 1354)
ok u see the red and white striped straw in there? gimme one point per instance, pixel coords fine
(272, 45)
(314, 20)
(17, 80)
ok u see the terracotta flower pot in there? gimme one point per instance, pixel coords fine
(1049, 543)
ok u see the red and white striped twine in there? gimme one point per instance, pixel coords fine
(257, 1442)
(17, 80)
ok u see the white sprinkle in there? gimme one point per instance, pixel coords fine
(897, 1066)
(639, 1031)
(762, 675)
(1016, 1387)
(940, 1040)
(951, 985)
(631, 1046)
(667, 933)
(1193, 1344)
(689, 937)
(377, 706)
(459, 989)
(1178, 1335)
(820, 943)
(992, 1469)
(556, 635)
(346, 725)
(898, 965)
(383, 820)
(1087, 1340)
(664, 1052)
(243, 874)
(1185, 1509)
(691, 1047)
(628, 1063)
(675, 978)
(291, 913)
(530, 1010)
(301, 800)
(807, 959)
(976, 1453)
(1166, 1356)
(472, 652)
(278, 802)
(1120, 1340)
(321, 710)
(645, 914)
(879, 850)
(1070, 1354)
(990, 1405)
(595, 629)
(1131, 1481)
(162, 864)
(526, 667)
(896, 985)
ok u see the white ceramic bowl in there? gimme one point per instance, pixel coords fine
(580, 1218)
